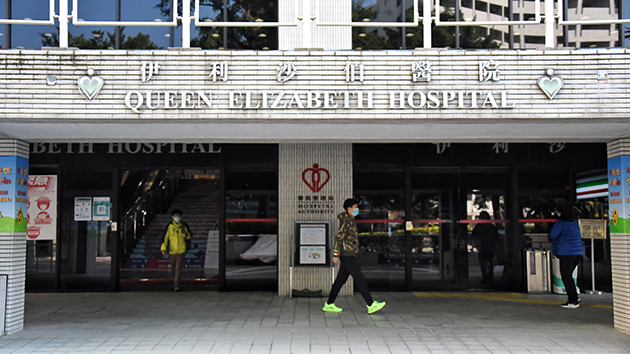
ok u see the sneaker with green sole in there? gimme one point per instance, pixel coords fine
(331, 308)
(376, 306)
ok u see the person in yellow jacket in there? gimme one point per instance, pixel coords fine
(175, 236)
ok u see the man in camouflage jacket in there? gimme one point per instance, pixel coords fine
(346, 248)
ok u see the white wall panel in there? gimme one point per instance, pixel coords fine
(293, 160)
(324, 37)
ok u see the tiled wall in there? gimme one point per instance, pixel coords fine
(294, 159)
(27, 95)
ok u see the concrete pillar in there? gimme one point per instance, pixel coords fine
(307, 34)
(13, 206)
(297, 188)
(619, 209)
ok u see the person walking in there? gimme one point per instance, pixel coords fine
(567, 246)
(345, 249)
(488, 237)
(175, 236)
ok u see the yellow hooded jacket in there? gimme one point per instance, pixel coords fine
(175, 236)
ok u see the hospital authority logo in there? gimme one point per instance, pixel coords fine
(315, 177)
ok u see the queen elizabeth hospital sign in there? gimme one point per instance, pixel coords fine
(139, 101)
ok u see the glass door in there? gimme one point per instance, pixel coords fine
(382, 239)
(447, 252)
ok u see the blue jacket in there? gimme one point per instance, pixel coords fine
(566, 238)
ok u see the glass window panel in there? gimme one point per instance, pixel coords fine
(382, 11)
(481, 6)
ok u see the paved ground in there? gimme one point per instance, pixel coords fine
(258, 322)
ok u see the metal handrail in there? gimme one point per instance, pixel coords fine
(136, 216)
(535, 21)
(28, 21)
(205, 23)
(549, 19)
(79, 22)
(562, 22)
(416, 20)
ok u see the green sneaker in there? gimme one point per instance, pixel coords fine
(376, 306)
(331, 308)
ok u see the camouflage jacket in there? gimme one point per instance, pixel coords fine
(347, 239)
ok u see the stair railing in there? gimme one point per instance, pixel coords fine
(151, 201)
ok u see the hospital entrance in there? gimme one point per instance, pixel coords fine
(227, 194)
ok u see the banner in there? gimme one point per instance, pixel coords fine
(13, 193)
(42, 207)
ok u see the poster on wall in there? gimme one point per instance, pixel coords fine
(313, 255)
(618, 199)
(42, 207)
(312, 243)
(100, 208)
(82, 209)
(13, 193)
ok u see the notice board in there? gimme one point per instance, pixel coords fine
(312, 243)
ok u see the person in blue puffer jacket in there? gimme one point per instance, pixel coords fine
(567, 246)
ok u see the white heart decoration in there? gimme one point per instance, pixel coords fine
(90, 86)
(550, 86)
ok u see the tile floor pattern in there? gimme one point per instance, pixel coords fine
(258, 322)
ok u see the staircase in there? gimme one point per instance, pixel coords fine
(198, 201)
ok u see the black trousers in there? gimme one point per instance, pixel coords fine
(350, 266)
(487, 266)
(567, 265)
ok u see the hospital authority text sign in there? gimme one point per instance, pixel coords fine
(139, 101)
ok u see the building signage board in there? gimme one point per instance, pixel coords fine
(42, 207)
(140, 101)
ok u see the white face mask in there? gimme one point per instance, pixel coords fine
(177, 218)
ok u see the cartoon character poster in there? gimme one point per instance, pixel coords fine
(13, 193)
(619, 194)
(42, 207)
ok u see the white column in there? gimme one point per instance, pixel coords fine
(307, 34)
(293, 191)
(63, 23)
(426, 23)
(618, 162)
(550, 24)
(14, 165)
(186, 24)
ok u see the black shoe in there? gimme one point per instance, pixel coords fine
(176, 289)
